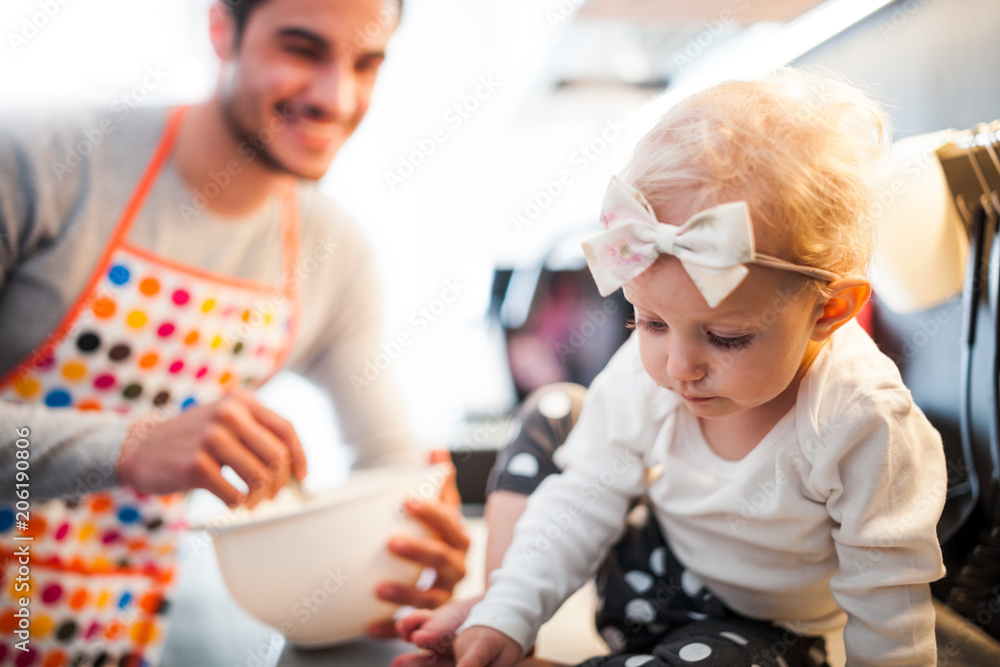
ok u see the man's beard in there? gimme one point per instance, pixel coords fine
(241, 134)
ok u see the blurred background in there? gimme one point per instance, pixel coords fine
(491, 138)
(493, 132)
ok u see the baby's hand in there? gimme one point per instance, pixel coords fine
(480, 646)
(432, 630)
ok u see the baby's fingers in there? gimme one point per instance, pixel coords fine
(411, 622)
(439, 631)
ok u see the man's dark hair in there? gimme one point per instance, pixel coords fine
(242, 9)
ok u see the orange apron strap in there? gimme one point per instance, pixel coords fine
(291, 242)
(289, 231)
(160, 155)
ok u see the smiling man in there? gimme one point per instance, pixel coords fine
(149, 285)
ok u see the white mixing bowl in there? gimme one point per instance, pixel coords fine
(310, 570)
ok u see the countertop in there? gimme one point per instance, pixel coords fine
(209, 629)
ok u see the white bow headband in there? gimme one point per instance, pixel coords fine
(713, 245)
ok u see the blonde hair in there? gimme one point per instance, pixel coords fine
(797, 147)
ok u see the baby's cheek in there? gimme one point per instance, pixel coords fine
(654, 363)
(723, 365)
(751, 385)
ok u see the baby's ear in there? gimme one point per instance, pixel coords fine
(848, 298)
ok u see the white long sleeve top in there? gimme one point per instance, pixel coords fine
(827, 527)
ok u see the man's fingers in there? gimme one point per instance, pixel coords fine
(208, 476)
(236, 415)
(410, 596)
(442, 519)
(228, 450)
(449, 490)
(449, 563)
(285, 432)
(384, 629)
(271, 451)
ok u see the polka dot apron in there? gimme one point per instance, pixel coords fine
(148, 336)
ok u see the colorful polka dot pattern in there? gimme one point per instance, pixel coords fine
(103, 564)
(114, 530)
(118, 615)
(155, 337)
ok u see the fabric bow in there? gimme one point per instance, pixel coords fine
(713, 245)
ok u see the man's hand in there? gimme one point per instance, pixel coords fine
(480, 646)
(189, 450)
(444, 551)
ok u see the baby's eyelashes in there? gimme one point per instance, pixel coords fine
(647, 325)
(726, 342)
(731, 342)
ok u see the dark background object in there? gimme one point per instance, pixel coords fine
(556, 328)
(562, 330)
(948, 357)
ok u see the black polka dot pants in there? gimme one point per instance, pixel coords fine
(735, 642)
(651, 611)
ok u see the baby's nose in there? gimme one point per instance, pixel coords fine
(683, 366)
